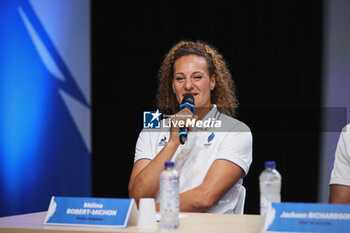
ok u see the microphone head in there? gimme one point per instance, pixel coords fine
(187, 102)
(188, 98)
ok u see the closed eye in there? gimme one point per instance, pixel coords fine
(197, 78)
(180, 79)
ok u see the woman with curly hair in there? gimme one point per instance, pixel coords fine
(215, 158)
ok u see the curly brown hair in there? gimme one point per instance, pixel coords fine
(224, 95)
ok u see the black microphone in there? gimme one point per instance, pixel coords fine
(187, 102)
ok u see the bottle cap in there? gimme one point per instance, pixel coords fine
(270, 164)
(169, 164)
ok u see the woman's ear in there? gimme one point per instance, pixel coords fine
(212, 82)
(172, 85)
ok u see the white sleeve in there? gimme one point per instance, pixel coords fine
(143, 148)
(237, 148)
(341, 170)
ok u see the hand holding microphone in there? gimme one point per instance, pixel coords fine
(178, 122)
(187, 103)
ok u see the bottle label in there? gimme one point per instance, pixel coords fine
(169, 201)
(269, 192)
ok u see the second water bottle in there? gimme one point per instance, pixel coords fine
(270, 186)
(169, 197)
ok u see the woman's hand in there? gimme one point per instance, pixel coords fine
(177, 120)
(144, 180)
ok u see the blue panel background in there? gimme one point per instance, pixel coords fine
(335, 84)
(42, 152)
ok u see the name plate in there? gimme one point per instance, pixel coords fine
(307, 217)
(85, 211)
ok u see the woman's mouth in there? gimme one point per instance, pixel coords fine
(193, 94)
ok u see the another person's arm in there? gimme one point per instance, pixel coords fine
(339, 194)
(340, 177)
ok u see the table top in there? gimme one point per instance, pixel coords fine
(192, 222)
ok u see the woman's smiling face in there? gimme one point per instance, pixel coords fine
(191, 76)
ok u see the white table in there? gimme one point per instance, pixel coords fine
(193, 222)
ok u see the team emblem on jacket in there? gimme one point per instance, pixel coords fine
(210, 139)
(162, 141)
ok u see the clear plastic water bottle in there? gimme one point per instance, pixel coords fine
(270, 186)
(169, 197)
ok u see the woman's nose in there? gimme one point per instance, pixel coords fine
(188, 83)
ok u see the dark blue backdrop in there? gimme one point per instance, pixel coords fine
(44, 103)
